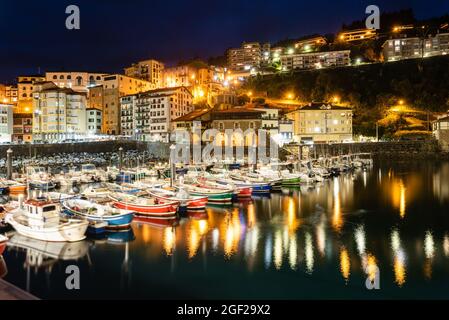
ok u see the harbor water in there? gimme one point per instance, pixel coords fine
(389, 225)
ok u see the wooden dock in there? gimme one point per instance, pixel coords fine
(9, 291)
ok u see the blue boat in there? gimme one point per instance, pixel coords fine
(116, 218)
(257, 187)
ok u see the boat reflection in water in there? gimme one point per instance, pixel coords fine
(322, 241)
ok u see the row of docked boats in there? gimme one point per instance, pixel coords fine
(148, 194)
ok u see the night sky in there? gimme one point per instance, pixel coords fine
(115, 33)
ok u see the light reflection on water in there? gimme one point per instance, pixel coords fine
(333, 236)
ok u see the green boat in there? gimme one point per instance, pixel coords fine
(293, 181)
(217, 196)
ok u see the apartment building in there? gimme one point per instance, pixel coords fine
(356, 35)
(148, 116)
(415, 47)
(93, 121)
(6, 122)
(22, 127)
(58, 113)
(25, 88)
(78, 81)
(11, 94)
(149, 70)
(114, 87)
(310, 43)
(315, 60)
(322, 123)
(249, 56)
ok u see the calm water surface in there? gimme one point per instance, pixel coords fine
(318, 242)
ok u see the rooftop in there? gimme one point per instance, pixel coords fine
(323, 106)
(192, 115)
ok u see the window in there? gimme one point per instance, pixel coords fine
(61, 77)
(55, 77)
(69, 77)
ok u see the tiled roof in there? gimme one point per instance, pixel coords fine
(192, 115)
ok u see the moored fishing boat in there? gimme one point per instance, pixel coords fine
(40, 219)
(13, 186)
(3, 241)
(214, 195)
(186, 200)
(115, 217)
(92, 192)
(150, 207)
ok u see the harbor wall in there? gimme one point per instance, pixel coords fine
(400, 150)
(158, 150)
(155, 149)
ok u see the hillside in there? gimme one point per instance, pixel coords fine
(371, 89)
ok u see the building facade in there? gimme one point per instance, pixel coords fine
(149, 116)
(250, 55)
(6, 122)
(440, 129)
(115, 87)
(25, 88)
(356, 35)
(22, 127)
(58, 113)
(315, 60)
(150, 70)
(415, 47)
(322, 123)
(93, 121)
(78, 81)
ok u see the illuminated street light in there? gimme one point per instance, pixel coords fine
(250, 93)
(289, 96)
(401, 102)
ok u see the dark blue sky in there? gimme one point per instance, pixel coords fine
(115, 33)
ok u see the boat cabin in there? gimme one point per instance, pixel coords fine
(35, 170)
(88, 167)
(37, 208)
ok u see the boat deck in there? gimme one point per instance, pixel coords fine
(11, 292)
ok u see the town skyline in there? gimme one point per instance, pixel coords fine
(171, 45)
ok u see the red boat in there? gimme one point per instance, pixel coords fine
(3, 241)
(186, 201)
(142, 206)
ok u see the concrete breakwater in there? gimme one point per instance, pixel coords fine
(401, 150)
(154, 149)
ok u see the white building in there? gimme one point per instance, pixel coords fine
(414, 47)
(58, 113)
(314, 60)
(6, 122)
(93, 121)
(148, 116)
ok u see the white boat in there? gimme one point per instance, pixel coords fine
(40, 219)
(92, 192)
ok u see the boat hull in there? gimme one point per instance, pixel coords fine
(67, 233)
(163, 211)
